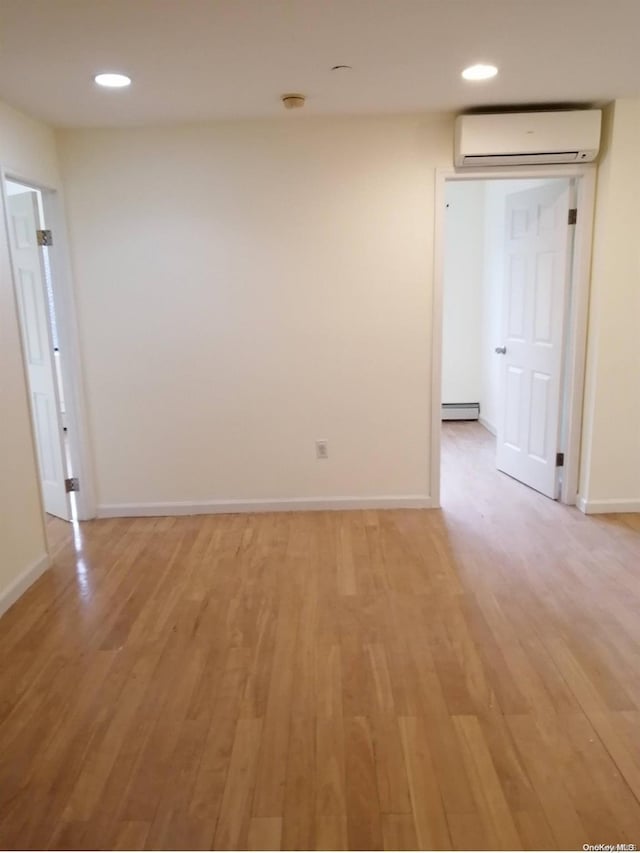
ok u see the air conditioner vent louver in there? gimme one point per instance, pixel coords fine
(520, 159)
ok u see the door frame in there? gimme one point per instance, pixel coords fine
(67, 328)
(576, 325)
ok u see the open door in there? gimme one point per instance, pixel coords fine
(33, 309)
(534, 304)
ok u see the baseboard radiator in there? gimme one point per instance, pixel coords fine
(460, 411)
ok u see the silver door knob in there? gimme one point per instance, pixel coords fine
(501, 350)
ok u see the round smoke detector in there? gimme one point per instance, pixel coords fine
(293, 101)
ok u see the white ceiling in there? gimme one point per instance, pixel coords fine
(194, 60)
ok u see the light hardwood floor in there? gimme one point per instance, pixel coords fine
(466, 678)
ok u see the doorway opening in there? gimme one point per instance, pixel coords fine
(512, 285)
(50, 359)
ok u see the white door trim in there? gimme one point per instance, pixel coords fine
(62, 284)
(585, 176)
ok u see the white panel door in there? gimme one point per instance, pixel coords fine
(33, 309)
(534, 304)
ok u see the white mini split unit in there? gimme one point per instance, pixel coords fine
(519, 139)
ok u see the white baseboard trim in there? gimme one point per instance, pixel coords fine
(278, 505)
(22, 583)
(488, 426)
(612, 505)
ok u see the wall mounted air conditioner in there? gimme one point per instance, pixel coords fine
(518, 139)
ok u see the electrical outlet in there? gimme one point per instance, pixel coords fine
(322, 449)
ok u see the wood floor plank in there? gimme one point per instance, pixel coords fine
(209, 785)
(265, 833)
(490, 799)
(616, 731)
(330, 771)
(173, 824)
(271, 779)
(428, 811)
(131, 835)
(444, 746)
(299, 813)
(232, 831)
(70, 835)
(399, 832)
(364, 828)
(612, 792)
(468, 831)
(331, 833)
(534, 831)
(390, 762)
(541, 761)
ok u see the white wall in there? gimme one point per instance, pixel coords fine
(611, 439)
(462, 291)
(26, 148)
(301, 291)
(246, 288)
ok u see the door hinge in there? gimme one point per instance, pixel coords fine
(559, 460)
(45, 238)
(573, 215)
(72, 484)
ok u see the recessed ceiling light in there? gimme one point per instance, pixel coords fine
(479, 72)
(112, 80)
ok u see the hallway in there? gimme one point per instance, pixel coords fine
(464, 678)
